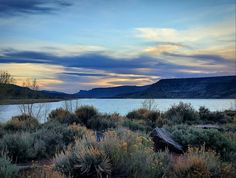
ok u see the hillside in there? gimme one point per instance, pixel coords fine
(110, 92)
(207, 87)
(10, 91)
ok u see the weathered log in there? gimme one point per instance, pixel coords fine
(163, 140)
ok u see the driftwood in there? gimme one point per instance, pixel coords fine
(163, 140)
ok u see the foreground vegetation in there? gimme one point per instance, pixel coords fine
(86, 143)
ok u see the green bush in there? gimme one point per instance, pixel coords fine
(155, 119)
(207, 116)
(58, 114)
(7, 169)
(18, 146)
(120, 154)
(78, 130)
(53, 137)
(84, 113)
(1, 130)
(182, 113)
(63, 116)
(43, 143)
(139, 114)
(22, 122)
(102, 122)
(230, 127)
(213, 139)
(85, 161)
(132, 125)
(132, 155)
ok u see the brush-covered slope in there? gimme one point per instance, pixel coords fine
(111, 92)
(10, 91)
(207, 87)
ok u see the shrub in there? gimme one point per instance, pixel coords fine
(212, 139)
(43, 143)
(190, 167)
(197, 162)
(115, 117)
(139, 114)
(22, 122)
(182, 113)
(120, 154)
(7, 169)
(85, 160)
(84, 113)
(19, 146)
(230, 127)
(204, 113)
(54, 137)
(63, 116)
(154, 119)
(64, 162)
(79, 131)
(1, 130)
(215, 117)
(132, 125)
(102, 122)
(92, 162)
(132, 155)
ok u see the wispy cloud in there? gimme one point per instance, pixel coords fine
(89, 60)
(218, 31)
(16, 7)
(159, 49)
(98, 70)
(214, 59)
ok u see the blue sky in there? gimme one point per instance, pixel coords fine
(100, 43)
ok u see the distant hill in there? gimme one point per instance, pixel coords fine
(110, 92)
(11, 91)
(206, 87)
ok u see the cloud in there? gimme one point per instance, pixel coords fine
(91, 70)
(16, 7)
(206, 57)
(43, 72)
(160, 34)
(159, 49)
(227, 52)
(89, 60)
(100, 62)
(85, 74)
(220, 31)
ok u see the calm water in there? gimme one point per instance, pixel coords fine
(122, 106)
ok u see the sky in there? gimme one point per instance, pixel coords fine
(72, 45)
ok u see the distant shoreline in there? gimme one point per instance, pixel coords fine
(33, 101)
(27, 101)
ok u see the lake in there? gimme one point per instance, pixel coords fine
(121, 106)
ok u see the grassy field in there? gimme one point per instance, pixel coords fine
(67, 145)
